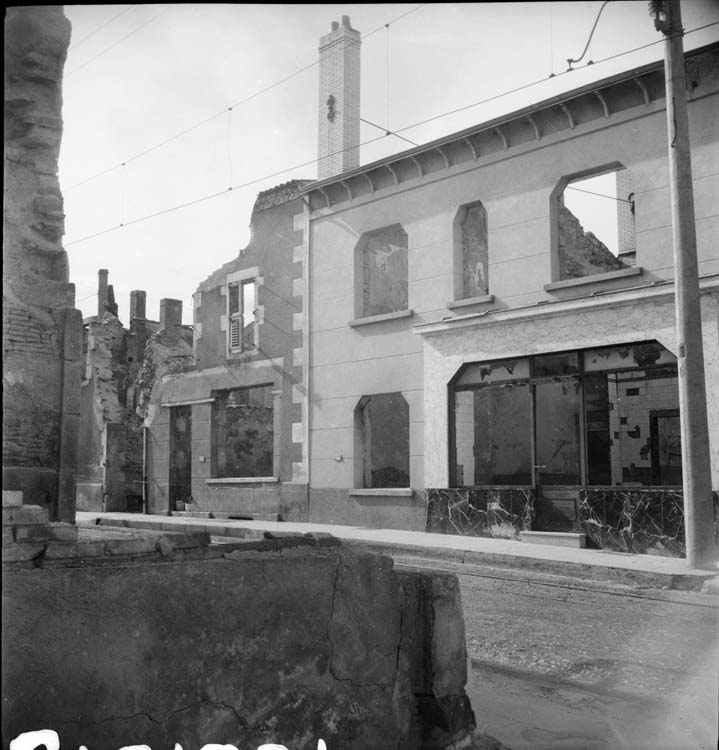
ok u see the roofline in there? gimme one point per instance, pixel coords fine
(502, 119)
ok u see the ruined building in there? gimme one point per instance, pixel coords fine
(42, 330)
(227, 435)
(481, 363)
(121, 367)
(435, 341)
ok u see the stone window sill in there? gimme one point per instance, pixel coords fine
(242, 480)
(595, 279)
(461, 303)
(380, 318)
(383, 492)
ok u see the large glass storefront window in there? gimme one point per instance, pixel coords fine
(602, 417)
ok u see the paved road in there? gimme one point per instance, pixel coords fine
(558, 664)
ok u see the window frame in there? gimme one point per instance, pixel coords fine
(236, 320)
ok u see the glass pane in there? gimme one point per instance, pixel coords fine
(596, 404)
(638, 402)
(493, 436)
(555, 364)
(557, 430)
(495, 372)
(620, 357)
(234, 302)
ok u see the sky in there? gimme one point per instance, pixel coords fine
(165, 105)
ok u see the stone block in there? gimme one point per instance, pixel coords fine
(25, 515)
(59, 532)
(74, 550)
(11, 498)
(21, 552)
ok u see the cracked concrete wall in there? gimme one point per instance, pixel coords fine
(286, 646)
(41, 329)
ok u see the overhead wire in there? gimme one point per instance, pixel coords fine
(364, 143)
(387, 131)
(543, 80)
(100, 28)
(571, 60)
(115, 44)
(224, 110)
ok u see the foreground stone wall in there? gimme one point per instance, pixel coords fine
(284, 642)
(42, 333)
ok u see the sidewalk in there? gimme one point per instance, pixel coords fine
(637, 570)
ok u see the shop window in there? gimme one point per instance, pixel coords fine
(471, 252)
(242, 302)
(601, 417)
(383, 428)
(381, 265)
(493, 435)
(243, 432)
(632, 416)
(595, 224)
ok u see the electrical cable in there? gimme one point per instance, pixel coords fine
(364, 143)
(100, 28)
(571, 60)
(543, 80)
(115, 44)
(387, 132)
(600, 195)
(224, 109)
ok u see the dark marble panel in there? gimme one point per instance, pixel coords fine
(640, 520)
(500, 512)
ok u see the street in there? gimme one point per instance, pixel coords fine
(562, 663)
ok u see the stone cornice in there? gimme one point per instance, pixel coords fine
(656, 291)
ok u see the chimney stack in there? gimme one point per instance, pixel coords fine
(101, 292)
(138, 299)
(339, 105)
(170, 314)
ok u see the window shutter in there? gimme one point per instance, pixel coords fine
(235, 333)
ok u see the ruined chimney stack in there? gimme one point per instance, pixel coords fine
(339, 102)
(101, 292)
(138, 300)
(170, 314)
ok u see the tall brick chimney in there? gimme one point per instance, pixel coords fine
(138, 299)
(101, 292)
(339, 104)
(170, 314)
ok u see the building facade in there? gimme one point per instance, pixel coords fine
(478, 359)
(227, 434)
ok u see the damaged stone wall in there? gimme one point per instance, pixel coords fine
(41, 329)
(291, 642)
(581, 253)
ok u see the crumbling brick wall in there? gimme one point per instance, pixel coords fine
(41, 330)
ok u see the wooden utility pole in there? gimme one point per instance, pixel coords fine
(696, 466)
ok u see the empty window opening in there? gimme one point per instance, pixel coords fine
(472, 255)
(596, 225)
(242, 304)
(383, 422)
(382, 257)
(243, 432)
